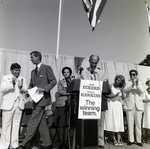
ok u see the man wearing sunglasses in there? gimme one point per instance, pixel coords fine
(134, 107)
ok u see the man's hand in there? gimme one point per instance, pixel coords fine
(14, 81)
(20, 84)
(137, 81)
(118, 94)
(40, 90)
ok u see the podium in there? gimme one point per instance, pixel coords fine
(86, 131)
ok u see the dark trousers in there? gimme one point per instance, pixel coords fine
(37, 122)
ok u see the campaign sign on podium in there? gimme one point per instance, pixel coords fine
(90, 99)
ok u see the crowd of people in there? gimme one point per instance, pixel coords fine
(128, 95)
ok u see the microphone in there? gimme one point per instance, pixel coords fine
(80, 70)
(72, 77)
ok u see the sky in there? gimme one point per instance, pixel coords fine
(121, 36)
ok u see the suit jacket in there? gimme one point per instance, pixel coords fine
(62, 95)
(100, 76)
(10, 94)
(134, 96)
(45, 78)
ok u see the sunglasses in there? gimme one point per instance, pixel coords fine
(132, 74)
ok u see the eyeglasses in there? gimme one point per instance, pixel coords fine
(132, 74)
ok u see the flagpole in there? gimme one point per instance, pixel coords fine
(148, 14)
(58, 32)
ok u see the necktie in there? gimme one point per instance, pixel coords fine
(36, 70)
(93, 77)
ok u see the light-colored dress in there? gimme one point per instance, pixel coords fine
(146, 118)
(114, 114)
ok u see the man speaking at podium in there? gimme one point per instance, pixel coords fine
(95, 73)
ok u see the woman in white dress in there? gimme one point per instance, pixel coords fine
(114, 115)
(146, 118)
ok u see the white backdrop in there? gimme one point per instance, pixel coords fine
(9, 56)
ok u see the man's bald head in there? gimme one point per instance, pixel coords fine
(93, 60)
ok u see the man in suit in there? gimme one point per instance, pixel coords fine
(12, 87)
(95, 73)
(43, 78)
(134, 106)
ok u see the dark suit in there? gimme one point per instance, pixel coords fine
(43, 79)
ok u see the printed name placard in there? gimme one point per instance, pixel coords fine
(90, 99)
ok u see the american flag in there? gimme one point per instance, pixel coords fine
(94, 8)
(148, 14)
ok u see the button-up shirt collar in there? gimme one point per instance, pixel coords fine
(38, 66)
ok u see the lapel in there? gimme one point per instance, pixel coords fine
(88, 73)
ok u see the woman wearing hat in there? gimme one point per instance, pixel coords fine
(146, 118)
(62, 105)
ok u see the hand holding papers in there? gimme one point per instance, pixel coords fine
(34, 94)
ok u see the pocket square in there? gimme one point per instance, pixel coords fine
(41, 76)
